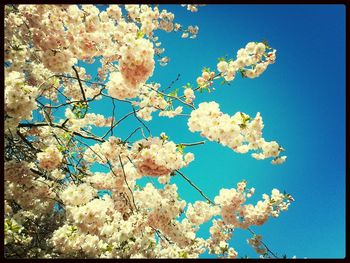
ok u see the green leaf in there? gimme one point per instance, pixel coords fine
(224, 250)
(26, 90)
(80, 110)
(245, 118)
(188, 85)
(266, 44)
(15, 228)
(17, 48)
(174, 93)
(72, 229)
(242, 71)
(9, 8)
(109, 248)
(139, 34)
(206, 69)
(180, 148)
(61, 148)
(164, 137)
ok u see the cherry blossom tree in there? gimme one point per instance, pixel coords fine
(53, 208)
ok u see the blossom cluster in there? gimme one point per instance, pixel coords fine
(220, 233)
(58, 61)
(64, 34)
(255, 243)
(44, 137)
(71, 87)
(243, 216)
(200, 212)
(97, 230)
(250, 61)
(14, 233)
(206, 78)
(76, 124)
(117, 180)
(56, 204)
(109, 150)
(30, 191)
(171, 113)
(192, 8)
(239, 132)
(164, 207)
(189, 95)
(150, 101)
(117, 88)
(255, 55)
(136, 63)
(77, 195)
(50, 159)
(19, 96)
(42, 78)
(157, 157)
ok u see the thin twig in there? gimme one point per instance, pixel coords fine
(26, 141)
(267, 248)
(191, 144)
(133, 200)
(105, 95)
(131, 134)
(86, 81)
(80, 84)
(113, 110)
(144, 125)
(115, 124)
(170, 96)
(41, 124)
(172, 83)
(199, 190)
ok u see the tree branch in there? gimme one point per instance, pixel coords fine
(126, 182)
(170, 96)
(42, 124)
(80, 84)
(191, 144)
(199, 190)
(267, 248)
(131, 134)
(172, 83)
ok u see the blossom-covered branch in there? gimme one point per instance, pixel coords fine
(73, 186)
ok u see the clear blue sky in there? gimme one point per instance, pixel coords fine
(302, 100)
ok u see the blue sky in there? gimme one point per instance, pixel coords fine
(302, 101)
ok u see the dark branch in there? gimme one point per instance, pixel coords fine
(80, 84)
